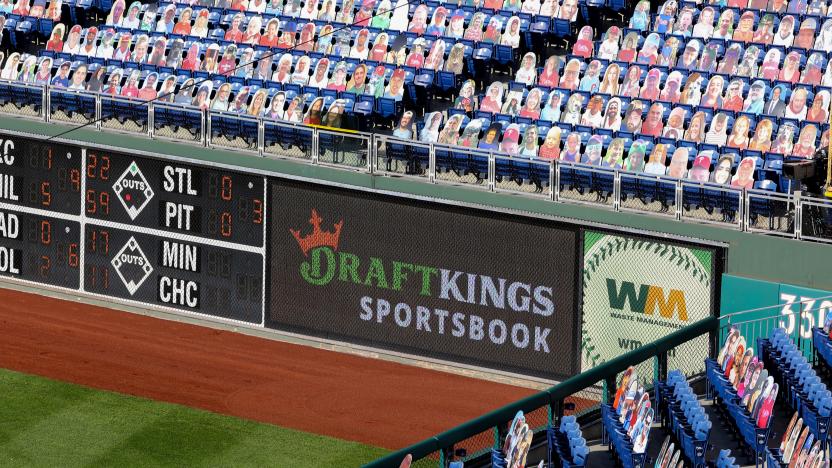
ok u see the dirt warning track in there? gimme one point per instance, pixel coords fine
(349, 397)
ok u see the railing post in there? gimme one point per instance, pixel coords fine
(432, 164)
(661, 367)
(746, 208)
(151, 119)
(206, 128)
(316, 141)
(609, 389)
(371, 147)
(261, 137)
(556, 187)
(679, 200)
(798, 214)
(98, 111)
(616, 191)
(492, 172)
(46, 103)
(552, 181)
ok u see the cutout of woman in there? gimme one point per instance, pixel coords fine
(657, 163)
(761, 141)
(572, 149)
(467, 99)
(805, 147)
(827, 75)
(722, 170)
(200, 28)
(675, 124)
(252, 34)
(696, 128)
(812, 73)
(314, 115)
(287, 37)
(635, 157)
(511, 140)
(584, 46)
(527, 73)
(491, 140)
(628, 49)
(705, 24)
(131, 88)
(733, 96)
(725, 25)
(665, 18)
(684, 25)
(632, 85)
(301, 74)
(531, 108)
(791, 68)
(550, 76)
(713, 93)
(220, 101)
(456, 27)
(202, 98)
(615, 154)
(530, 142)
(294, 111)
(608, 50)
(797, 105)
(44, 74)
(701, 170)
(641, 16)
(783, 142)
(717, 135)
(258, 103)
(612, 115)
(211, 60)
(610, 83)
(550, 149)
(324, 43)
(512, 103)
(436, 56)
(744, 178)
(96, 83)
(739, 133)
(157, 55)
(116, 13)
(551, 112)
(430, 133)
(474, 30)
(493, 100)
(183, 96)
(183, 25)
(456, 59)
(234, 33)
(10, 69)
(819, 112)
(56, 41)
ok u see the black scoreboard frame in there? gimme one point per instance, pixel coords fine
(77, 221)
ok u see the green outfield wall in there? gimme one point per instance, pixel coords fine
(753, 256)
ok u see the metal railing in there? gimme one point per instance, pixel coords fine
(478, 436)
(788, 215)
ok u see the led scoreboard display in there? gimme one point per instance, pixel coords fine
(148, 229)
(176, 197)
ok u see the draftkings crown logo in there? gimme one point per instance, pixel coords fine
(318, 237)
(133, 190)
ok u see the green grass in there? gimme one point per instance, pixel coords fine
(48, 423)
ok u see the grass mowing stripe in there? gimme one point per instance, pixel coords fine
(48, 423)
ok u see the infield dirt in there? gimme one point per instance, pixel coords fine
(366, 400)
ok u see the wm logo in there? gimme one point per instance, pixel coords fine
(647, 299)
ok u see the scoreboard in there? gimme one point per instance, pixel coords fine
(133, 227)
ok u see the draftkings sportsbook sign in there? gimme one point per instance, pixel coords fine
(417, 277)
